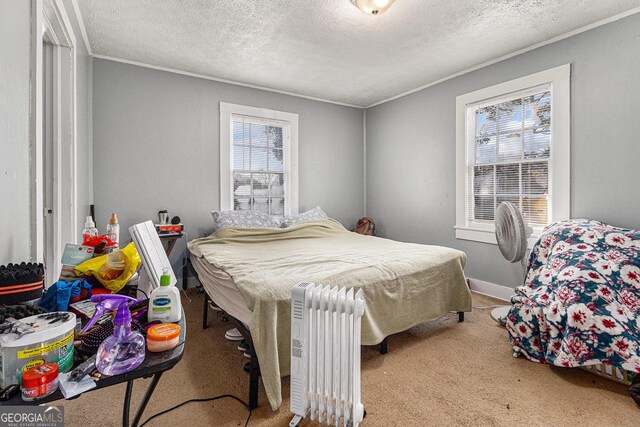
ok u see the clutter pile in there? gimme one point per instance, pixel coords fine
(42, 337)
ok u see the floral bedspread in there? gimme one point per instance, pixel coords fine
(580, 302)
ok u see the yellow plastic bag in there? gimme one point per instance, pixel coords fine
(115, 271)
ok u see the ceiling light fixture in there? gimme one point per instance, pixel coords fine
(372, 7)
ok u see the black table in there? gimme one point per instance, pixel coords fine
(154, 365)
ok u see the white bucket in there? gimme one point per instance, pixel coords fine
(50, 343)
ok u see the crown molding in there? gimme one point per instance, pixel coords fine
(215, 79)
(83, 30)
(511, 55)
(400, 95)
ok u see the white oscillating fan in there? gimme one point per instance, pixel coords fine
(512, 234)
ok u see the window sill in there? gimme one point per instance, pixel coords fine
(484, 235)
(488, 235)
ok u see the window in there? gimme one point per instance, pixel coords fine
(513, 145)
(258, 160)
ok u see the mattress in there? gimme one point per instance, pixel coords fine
(221, 289)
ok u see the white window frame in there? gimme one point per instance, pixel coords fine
(290, 148)
(558, 79)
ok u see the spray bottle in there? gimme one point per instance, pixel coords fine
(124, 350)
(90, 229)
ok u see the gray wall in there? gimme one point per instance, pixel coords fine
(15, 30)
(84, 79)
(411, 145)
(156, 145)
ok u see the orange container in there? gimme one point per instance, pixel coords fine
(163, 337)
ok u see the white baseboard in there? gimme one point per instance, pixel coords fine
(491, 289)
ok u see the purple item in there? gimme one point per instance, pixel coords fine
(125, 349)
(106, 302)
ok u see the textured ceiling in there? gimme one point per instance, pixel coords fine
(327, 48)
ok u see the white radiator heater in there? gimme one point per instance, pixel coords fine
(325, 354)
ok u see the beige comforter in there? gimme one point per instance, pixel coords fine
(404, 284)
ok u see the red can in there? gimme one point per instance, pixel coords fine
(40, 381)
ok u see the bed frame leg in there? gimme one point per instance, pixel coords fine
(205, 312)
(461, 316)
(254, 379)
(254, 366)
(383, 346)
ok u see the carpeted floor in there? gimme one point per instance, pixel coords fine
(440, 373)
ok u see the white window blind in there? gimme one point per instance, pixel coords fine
(508, 151)
(259, 164)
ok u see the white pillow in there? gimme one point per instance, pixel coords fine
(244, 219)
(314, 214)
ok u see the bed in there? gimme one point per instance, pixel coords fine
(221, 289)
(580, 304)
(404, 284)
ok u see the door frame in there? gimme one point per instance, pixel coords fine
(50, 17)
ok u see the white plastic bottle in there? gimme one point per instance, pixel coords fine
(113, 228)
(90, 229)
(164, 301)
